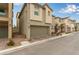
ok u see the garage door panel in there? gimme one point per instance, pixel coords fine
(39, 31)
(3, 32)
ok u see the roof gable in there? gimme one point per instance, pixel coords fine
(47, 6)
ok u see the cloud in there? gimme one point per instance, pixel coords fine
(70, 8)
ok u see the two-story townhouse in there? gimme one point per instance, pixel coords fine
(56, 24)
(53, 25)
(73, 24)
(6, 20)
(69, 24)
(35, 20)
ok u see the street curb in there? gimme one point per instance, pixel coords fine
(9, 50)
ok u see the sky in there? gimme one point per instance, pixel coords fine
(16, 8)
(70, 10)
(66, 9)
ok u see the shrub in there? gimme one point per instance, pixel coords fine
(11, 43)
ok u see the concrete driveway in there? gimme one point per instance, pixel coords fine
(68, 45)
(3, 42)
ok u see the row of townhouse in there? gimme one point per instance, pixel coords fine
(64, 25)
(36, 21)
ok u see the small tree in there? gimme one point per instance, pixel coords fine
(11, 42)
(75, 28)
(62, 27)
(56, 28)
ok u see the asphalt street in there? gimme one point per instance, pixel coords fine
(68, 45)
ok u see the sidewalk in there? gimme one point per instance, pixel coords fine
(26, 44)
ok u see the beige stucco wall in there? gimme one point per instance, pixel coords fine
(77, 25)
(23, 22)
(42, 13)
(17, 21)
(48, 18)
(34, 17)
(66, 21)
(53, 20)
(53, 24)
(57, 21)
(70, 24)
(8, 18)
(27, 19)
(10, 21)
(72, 27)
(4, 19)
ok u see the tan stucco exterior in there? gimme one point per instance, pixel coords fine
(69, 23)
(28, 19)
(77, 26)
(47, 17)
(42, 13)
(56, 21)
(8, 18)
(32, 16)
(17, 21)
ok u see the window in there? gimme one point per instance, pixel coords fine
(36, 13)
(48, 13)
(2, 12)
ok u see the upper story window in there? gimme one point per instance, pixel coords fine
(36, 13)
(2, 12)
(4, 9)
(36, 10)
(48, 13)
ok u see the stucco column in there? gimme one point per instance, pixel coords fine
(9, 30)
(50, 30)
(10, 7)
(28, 22)
(28, 32)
